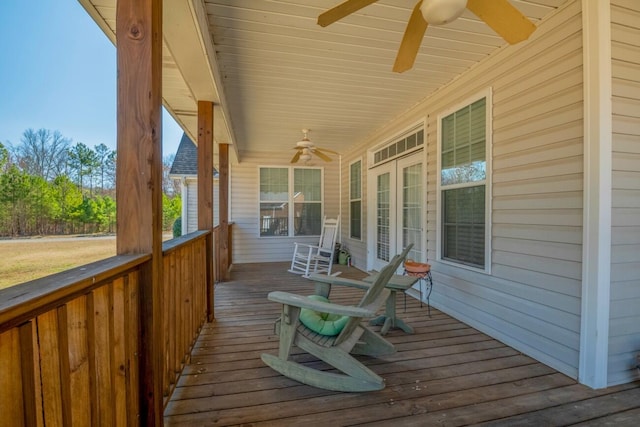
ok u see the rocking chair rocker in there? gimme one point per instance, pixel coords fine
(354, 338)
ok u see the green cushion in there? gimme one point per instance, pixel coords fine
(322, 323)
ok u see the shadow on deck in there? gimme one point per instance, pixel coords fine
(445, 374)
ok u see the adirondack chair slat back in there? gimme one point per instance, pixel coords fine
(374, 292)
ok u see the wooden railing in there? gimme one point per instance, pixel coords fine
(69, 343)
(185, 302)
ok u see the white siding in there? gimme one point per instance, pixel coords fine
(192, 204)
(531, 300)
(248, 246)
(624, 325)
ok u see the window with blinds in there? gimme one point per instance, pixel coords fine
(355, 200)
(463, 180)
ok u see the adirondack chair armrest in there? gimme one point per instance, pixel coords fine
(323, 307)
(336, 280)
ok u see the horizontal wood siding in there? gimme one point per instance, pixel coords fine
(531, 299)
(248, 246)
(624, 325)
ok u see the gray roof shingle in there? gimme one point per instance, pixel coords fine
(186, 160)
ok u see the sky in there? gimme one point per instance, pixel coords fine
(58, 72)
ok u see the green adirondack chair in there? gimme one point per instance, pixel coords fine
(355, 337)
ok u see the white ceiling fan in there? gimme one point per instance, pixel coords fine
(306, 149)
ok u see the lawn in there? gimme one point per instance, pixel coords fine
(27, 259)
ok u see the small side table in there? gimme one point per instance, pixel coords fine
(389, 319)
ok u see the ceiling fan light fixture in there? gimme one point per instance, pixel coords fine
(305, 157)
(439, 12)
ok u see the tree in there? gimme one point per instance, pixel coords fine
(68, 198)
(104, 163)
(170, 186)
(4, 158)
(171, 210)
(83, 162)
(110, 169)
(14, 189)
(42, 153)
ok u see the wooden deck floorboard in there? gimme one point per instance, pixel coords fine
(445, 374)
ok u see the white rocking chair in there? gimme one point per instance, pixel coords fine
(308, 259)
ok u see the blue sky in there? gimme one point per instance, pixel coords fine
(58, 71)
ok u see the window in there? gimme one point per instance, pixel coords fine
(463, 185)
(355, 200)
(290, 201)
(403, 146)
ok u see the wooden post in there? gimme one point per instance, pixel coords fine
(139, 180)
(223, 181)
(205, 191)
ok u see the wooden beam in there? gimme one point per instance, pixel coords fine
(205, 191)
(223, 182)
(139, 175)
(205, 165)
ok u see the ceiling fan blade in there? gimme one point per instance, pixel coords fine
(340, 11)
(296, 156)
(322, 156)
(503, 18)
(326, 150)
(413, 35)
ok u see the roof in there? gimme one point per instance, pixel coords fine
(186, 160)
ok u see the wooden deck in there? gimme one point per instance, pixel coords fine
(445, 374)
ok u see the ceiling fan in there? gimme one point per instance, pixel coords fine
(305, 149)
(500, 15)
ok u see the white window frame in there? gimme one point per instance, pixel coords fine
(351, 200)
(487, 93)
(291, 201)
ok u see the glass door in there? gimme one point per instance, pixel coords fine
(411, 206)
(397, 206)
(385, 213)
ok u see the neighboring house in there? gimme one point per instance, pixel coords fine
(185, 170)
(531, 221)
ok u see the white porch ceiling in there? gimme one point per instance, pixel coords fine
(273, 71)
(282, 72)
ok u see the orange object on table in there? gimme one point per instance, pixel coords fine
(422, 270)
(419, 269)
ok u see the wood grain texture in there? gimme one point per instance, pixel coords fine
(205, 165)
(78, 360)
(29, 368)
(118, 333)
(11, 401)
(223, 180)
(139, 165)
(99, 319)
(447, 372)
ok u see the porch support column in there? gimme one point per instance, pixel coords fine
(596, 242)
(223, 181)
(205, 191)
(139, 181)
